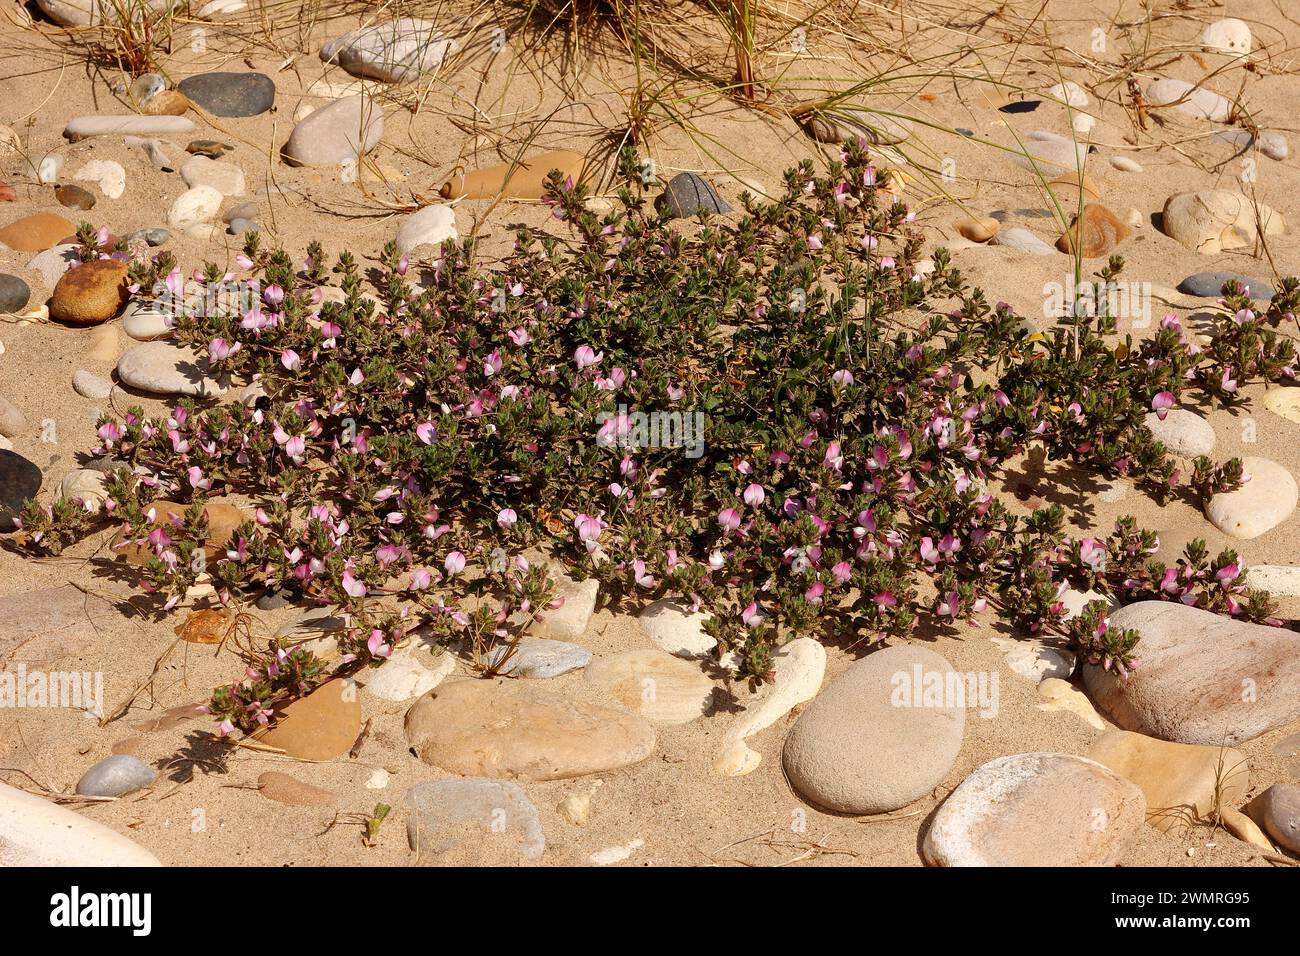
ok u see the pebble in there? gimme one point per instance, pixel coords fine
(35, 233)
(849, 124)
(103, 343)
(1047, 154)
(211, 148)
(321, 726)
(1209, 285)
(378, 779)
(505, 728)
(166, 103)
(161, 368)
(431, 226)
(1126, 164)
(576, 806)
(230, 94)
(1277, 579)
(291, 791)
(46, 169)
(1018, 237)
(86, 485)
(798, 669)
(1244, 828)
(152, 237)
(540, 658)
(1271, 143)
(1228, 36)
(1259, 505)
(394, 51)
(977, 230)
(1020, 106)
(14, 293)
(330, 135)
(116, 776)
(1098, 234)
(1183, 432)
(521, 180)
(144, 322)
(74, 197)
(403, 676)
(912, 745)
(90, 293)
(616, 854)
(474, 813)
(688, 194)
(223, 520)
(1204, 678)
(105, 125)
(1036, 809)
(38, 833)
(19, 480)
(237, 227)
(1070, 93)
(676, 629)
(195, 205)
(1182, 783)
(1211, 221)
(109, 176)
(1059, 694)
(1198, 102)
(12, 422)
(1277, 810)
(569, 621)
(225, 178)
(659, 687)
(89, 385)
(1035, 660)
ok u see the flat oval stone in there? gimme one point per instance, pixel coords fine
(225, 178)
(321, 726)
(74, 197)
(1194, 101)
(1278, 811)
(85, 485)
(1209, 285)
(161, 368)
(1284, 402)
(539, 658)
(292, 792)
(89, 385)
(394, 51)
(196, 205)
(514, 729)
(431, 225)
(230, 94)
(144, 322)
(658, 686)
(569, 621)
(19, 480)
(1182, 783)
(1036, 809)
(1183, 432)
(336, 133)
(1018, 237)
(525, 179)
(689, 194)
(105, 125)
(1204, 678)
(35, 233)
(1259, 505)
(495, 814)
(403, 676)
(916, 733)
(116, 776)
(36, 832)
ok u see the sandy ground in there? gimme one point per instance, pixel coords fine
(683, 812)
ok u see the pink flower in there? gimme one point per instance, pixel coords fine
(754, 495)
(273, 295)
(1162, 403)
(506, 517)
(426, 432)
(729, 519)
(455, 563)
(290, 360)
(584, 356)
(352, 586)
(421, 578)
(751, 615)
(219, 350)
(376, 644)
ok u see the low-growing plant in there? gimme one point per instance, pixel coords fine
(418, 458)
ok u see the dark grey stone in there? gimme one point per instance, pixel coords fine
(1020, 106)
(1209, 285)
(274, 600)
(230, 94)
(20, 479)
(688, 194)
(14, 293)
(155, 236)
